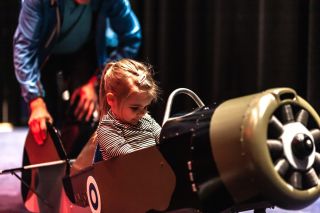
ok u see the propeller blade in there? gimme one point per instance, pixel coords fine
(275, 128)
(296, 180)
(287, 114)
(282, 167)
(275, 147)
(317, 162)
(316, 136)
(311, 178)
(302, 117)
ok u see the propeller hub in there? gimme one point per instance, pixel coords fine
(302, 145)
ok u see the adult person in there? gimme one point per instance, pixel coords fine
(60, 46)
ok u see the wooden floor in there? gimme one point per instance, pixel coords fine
(11, 146)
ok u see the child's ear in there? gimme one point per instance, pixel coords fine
(110, 98)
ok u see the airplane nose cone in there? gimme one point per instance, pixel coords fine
(302, 146)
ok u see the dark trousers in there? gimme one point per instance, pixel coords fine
(61, 73)
(66, 72)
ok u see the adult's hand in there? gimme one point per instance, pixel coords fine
(87, 101)
(39, 115)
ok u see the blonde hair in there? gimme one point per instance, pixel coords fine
(124, 77)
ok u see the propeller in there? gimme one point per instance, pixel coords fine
(293, 141)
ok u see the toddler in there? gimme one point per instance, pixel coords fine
(127, 88)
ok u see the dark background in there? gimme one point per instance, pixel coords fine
(220, 49)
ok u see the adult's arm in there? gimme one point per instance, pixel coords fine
(127, 27)
(26, 62)
(25, 48)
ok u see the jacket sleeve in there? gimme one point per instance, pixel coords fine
(127, 28)
(25, 50)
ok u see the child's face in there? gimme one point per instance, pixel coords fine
(133, 108)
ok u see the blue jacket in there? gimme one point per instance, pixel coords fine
(38, 29)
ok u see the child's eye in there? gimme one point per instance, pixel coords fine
(134, 109)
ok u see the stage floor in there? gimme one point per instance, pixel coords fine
(11, 147)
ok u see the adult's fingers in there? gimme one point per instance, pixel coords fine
(35, 128)
(43, 129)
(74, 96)
(90, 111)
(80, 106)
(86, 111)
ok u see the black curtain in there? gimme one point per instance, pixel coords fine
(223, 49)
(10, 108)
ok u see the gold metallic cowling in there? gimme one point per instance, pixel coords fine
(239, 142)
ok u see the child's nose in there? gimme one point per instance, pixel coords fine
(142, 112)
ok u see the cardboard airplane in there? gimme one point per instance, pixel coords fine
(248, 153)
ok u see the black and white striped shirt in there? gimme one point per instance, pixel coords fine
(117, 138)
